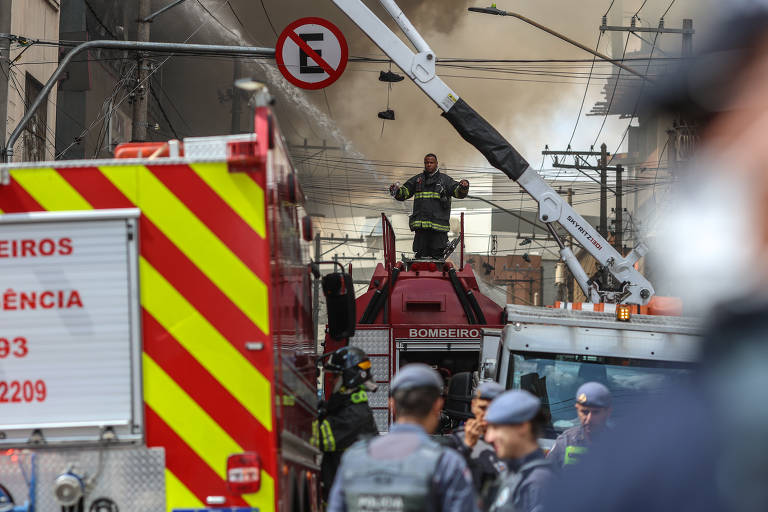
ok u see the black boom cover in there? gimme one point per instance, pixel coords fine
(340, 301)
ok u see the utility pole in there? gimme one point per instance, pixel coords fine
(687, 37)
(5, 57)
(569, 284)
(316, 290)
(618, 237)
(603, 229)
(140, 98)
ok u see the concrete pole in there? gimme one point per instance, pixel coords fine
(316, 291)
(687, 37)
(603, 229)
(618, 239)
(570, 282)
(5, 48)
(141, 98)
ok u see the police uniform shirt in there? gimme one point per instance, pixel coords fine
(452, 480)
(569, 445)
(530, 491)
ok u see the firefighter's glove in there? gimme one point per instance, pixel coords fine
(463, 189)
(393, 188)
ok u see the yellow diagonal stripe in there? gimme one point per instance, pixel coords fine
(206, 344)
(49, 189)
(194, 239)
(177, 495)
(238, 190)
(196, 428)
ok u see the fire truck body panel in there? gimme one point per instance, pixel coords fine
(228, 351)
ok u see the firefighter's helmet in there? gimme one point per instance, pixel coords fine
(353, 365)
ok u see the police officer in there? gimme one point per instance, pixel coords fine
(515, 421)
(593, 406)
(405, 470)
(346, 417)
(432, 192)
(468, 440)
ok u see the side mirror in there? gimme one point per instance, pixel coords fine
(340, 300)
(457, 404)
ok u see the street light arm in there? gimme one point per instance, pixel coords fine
(499, 12)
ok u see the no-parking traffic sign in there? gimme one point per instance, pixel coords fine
(311, 53)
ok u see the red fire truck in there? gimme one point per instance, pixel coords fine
(156, 344)
(422, 311)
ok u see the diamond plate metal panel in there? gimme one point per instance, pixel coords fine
(380, 398)
(132, 477)
(380, 368)
(382, 419)
(373, 341)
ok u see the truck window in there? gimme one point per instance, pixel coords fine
(554, 378)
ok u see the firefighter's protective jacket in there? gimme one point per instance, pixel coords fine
(342, 421)
(432, 195)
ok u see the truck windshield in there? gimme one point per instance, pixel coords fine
(554, 378)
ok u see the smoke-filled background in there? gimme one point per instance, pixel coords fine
(532, 103)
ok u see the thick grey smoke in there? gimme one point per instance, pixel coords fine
(529, 110)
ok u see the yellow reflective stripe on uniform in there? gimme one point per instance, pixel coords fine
(314, 439)
(207, 345)
(49, 189)
(197, 429)
(426, 224)
(238, 190)
(573, 454)
(194, 239)
(329, 442)
(177, 495)
(359, 397)
(426, 195)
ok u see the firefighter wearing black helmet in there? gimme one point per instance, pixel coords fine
(346, 417)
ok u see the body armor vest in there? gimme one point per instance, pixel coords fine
(390, 485)
(511, 483)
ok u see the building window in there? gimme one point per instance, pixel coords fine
(34, 133)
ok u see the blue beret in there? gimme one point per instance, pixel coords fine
(489, 390)
(513, 407)
(416, 375)
(593, 394)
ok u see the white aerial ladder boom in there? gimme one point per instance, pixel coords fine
(420, 67)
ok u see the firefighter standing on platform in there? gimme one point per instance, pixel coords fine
(432, 192)
(405, 470)
(346, 416)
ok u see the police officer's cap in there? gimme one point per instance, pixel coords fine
(416, 375)
(513, 407)
(488, 390)
(593, 394)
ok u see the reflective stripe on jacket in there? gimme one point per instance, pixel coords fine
(432, 195)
